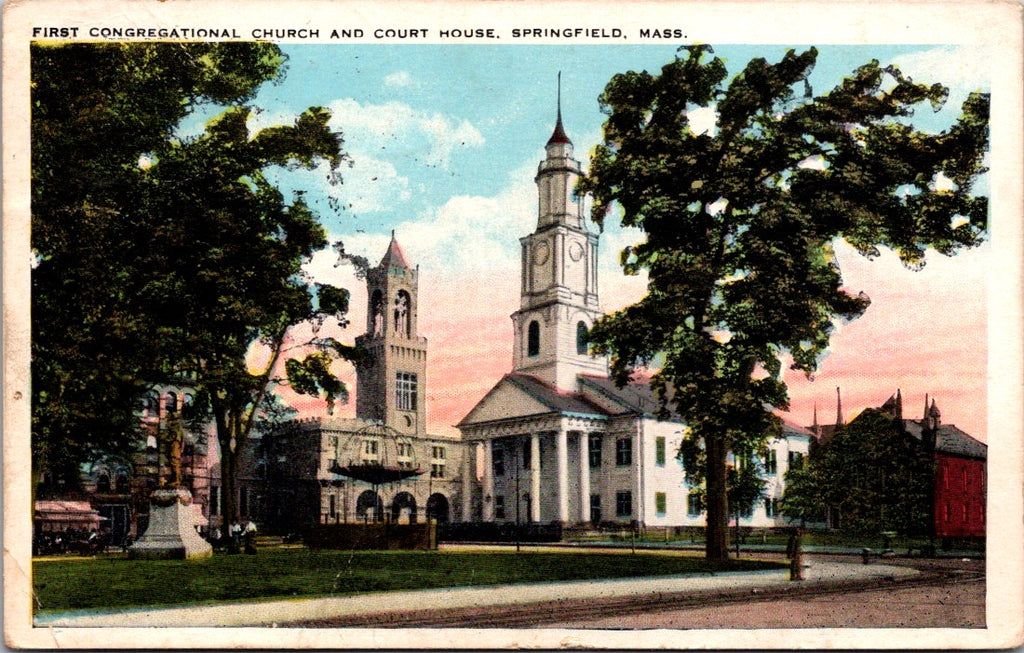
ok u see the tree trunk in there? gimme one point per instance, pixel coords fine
(717, 532)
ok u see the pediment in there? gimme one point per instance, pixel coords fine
(505, 401)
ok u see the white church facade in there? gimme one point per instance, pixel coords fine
(558, 441)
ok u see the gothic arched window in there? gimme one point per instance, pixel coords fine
(171, 403)
(533, 339)
(103, 484)
(581, 338)
(377, 312)
(403, 306)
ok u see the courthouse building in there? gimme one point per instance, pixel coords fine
(559, 441)
(381, 465)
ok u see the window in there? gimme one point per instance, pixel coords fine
(370, 449)
(796, 460)
(171, 402)
(595, 508)
(123, 486)
(623, 452)
(747, 512)
(405, 450)
(437, 470)
(437, 453)
(949, 512)
(694, 504)
(499, 507)
(771, 462)
(405, 391)
(771, 507)
(595, 450)
(527, 455)
(498, 459)
(103, 484)
(624, 503)
(659, 452)
(214, 500)
(581, 338)
(533, 339)
(660, 503)
(333, 508)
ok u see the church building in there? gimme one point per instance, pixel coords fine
(560, 442)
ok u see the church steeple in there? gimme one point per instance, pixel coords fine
(558, 137)
(559, 279)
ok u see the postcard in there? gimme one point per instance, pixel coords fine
(455, 324)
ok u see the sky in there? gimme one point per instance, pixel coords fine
(444, 144)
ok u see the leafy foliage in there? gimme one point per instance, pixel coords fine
(191, 255)
(98, 113)
(739, 226)
(872, 476)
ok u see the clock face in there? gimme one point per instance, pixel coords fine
(541, 252)
(576, 251)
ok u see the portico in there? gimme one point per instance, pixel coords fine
(523, 459)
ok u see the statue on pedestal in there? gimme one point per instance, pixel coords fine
(171, 532)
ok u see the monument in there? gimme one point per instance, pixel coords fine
(171, 532)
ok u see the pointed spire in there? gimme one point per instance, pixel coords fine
(925, 414)
(899, 405)
(395, 257)
(558, 136)
(815, 428)
(839, 408)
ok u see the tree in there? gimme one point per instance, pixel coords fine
(871, 477)
(97, 111)
(190, 258)
(740, 222)
(229, 279)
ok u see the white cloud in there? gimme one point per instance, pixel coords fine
(399, 79)
(370, 127)
(703, 120)
(963, 68)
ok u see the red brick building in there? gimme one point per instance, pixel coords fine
(959, 476)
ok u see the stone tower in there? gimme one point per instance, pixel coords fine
(390, 388)
(559, 300)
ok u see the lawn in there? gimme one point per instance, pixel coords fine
(77, 583)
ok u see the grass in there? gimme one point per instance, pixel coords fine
(97, 583)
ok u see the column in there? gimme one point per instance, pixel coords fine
(468, 481)
(535, 476)
(584, 477)
(488, 480)
(562, 469)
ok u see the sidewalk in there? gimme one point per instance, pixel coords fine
(269, 613)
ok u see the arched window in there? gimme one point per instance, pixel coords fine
(103, 484)
(171, 403)
(403, 306)
(123, 486)
(377, 312)
(533, 339)
(581, 338)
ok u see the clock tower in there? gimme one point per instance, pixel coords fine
(390, 386)
(559, 300)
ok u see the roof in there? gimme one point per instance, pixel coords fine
(950, 440)
(634, 397)
(558, 136)
(395, 257)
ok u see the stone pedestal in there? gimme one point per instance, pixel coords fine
(171, 533)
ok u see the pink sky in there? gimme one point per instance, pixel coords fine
(925, 332)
